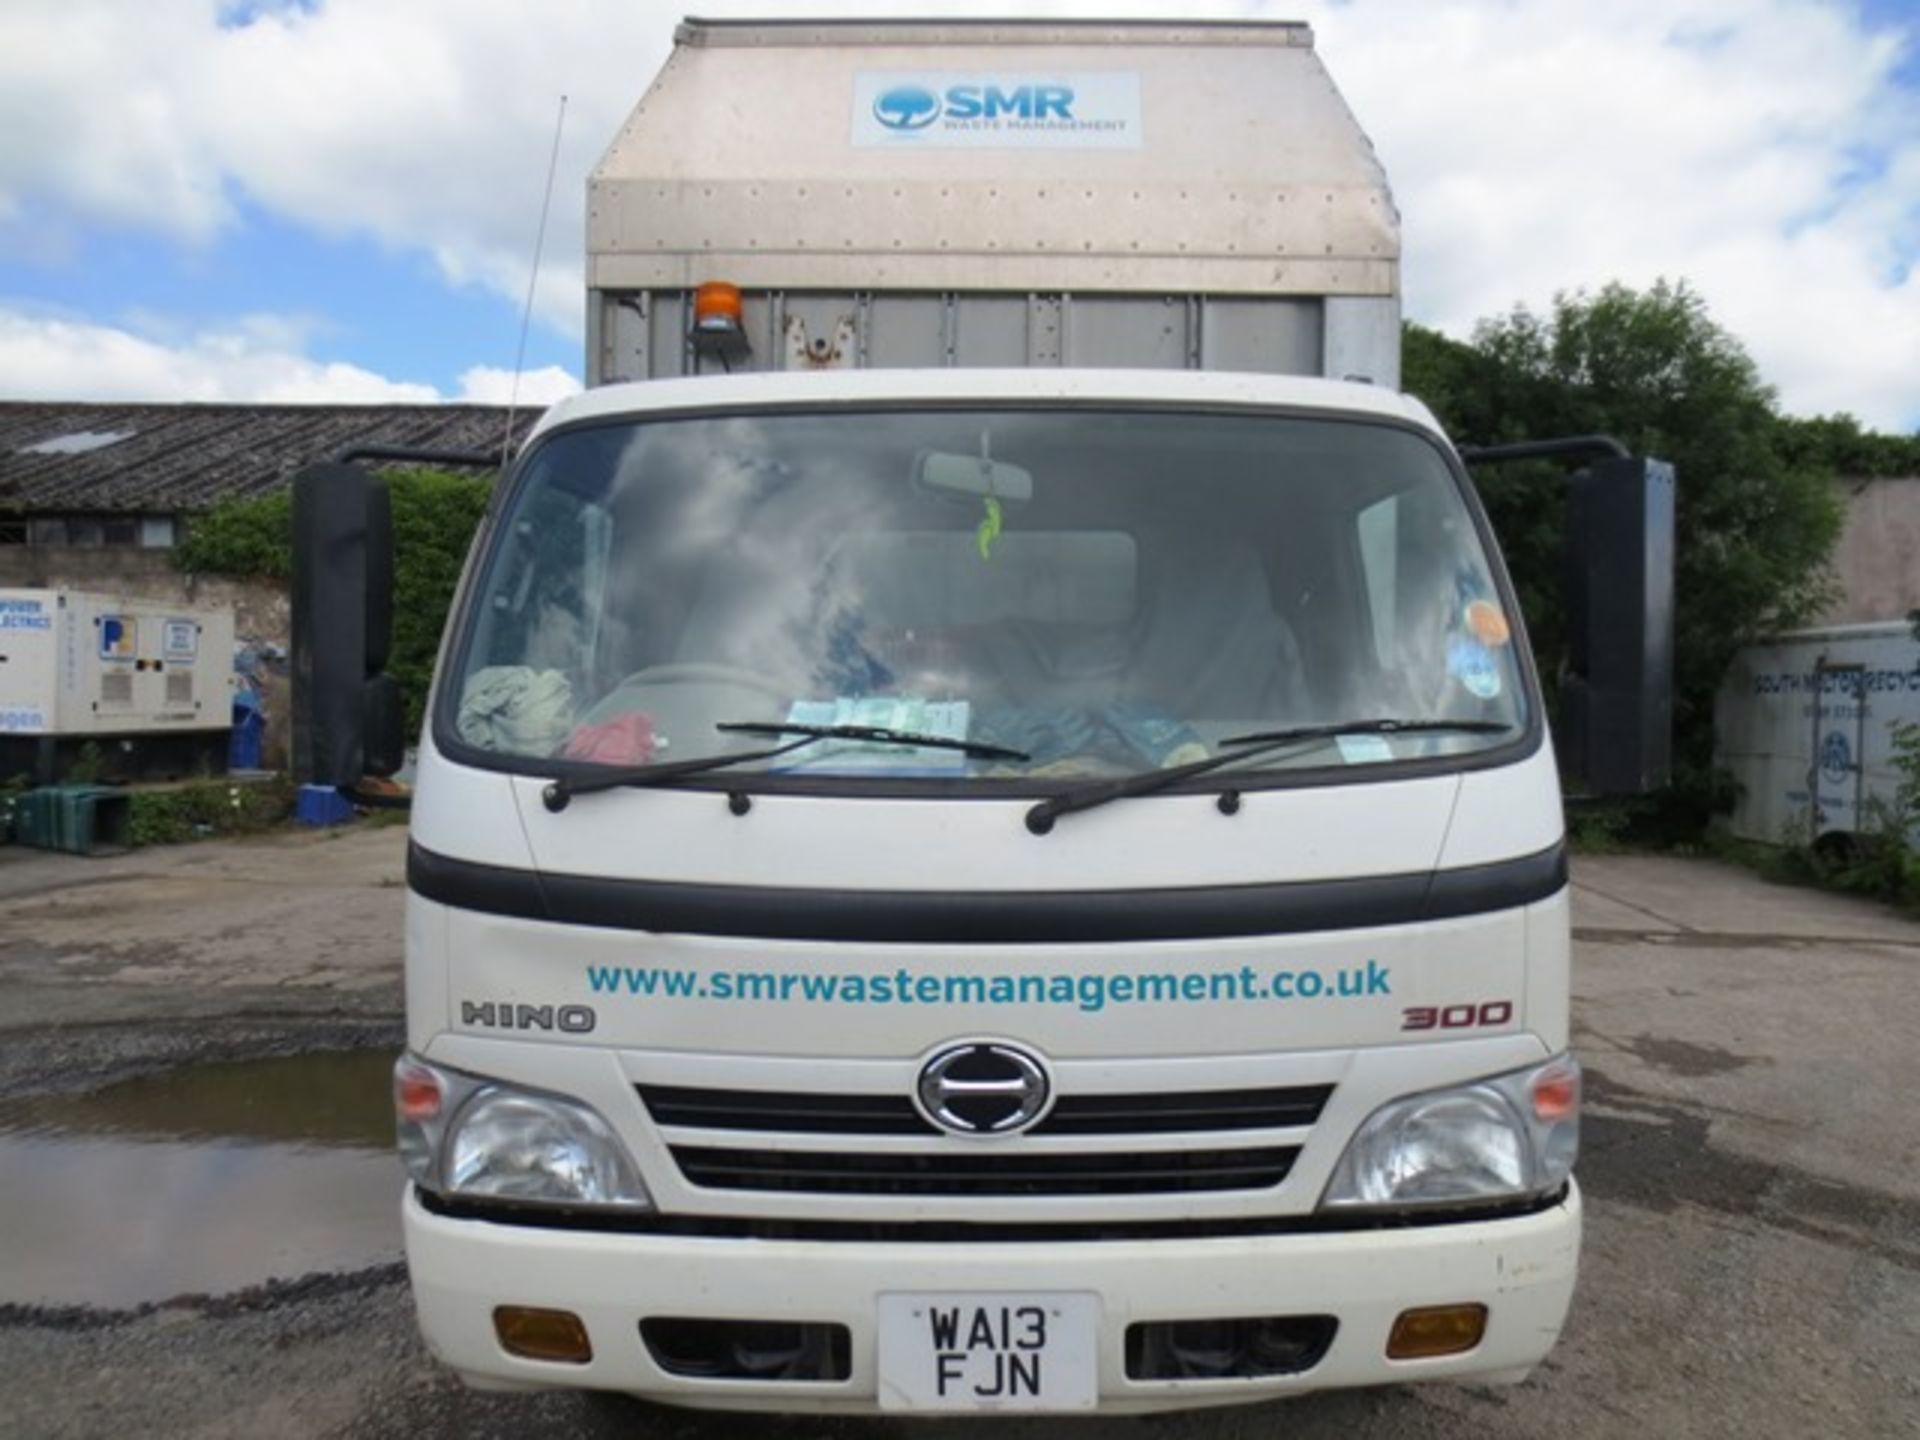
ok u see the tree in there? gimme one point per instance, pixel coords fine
(1757, 515)
(1841, 444)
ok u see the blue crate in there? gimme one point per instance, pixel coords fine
(321, 805)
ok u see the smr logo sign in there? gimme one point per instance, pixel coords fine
(914, 107)
(1094, 110)
(907, 107)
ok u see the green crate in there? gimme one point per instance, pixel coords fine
(80, 819)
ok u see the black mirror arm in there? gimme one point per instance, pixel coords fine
(465, 459)
(1565, 447)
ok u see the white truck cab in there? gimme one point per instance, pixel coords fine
(950, 876)
(927, 1066)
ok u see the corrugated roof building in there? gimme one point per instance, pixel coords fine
(107, 474)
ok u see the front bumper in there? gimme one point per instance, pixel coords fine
(1521, 1268)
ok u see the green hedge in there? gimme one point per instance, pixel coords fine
(434, 516)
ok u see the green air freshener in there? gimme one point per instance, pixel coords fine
(989, 530)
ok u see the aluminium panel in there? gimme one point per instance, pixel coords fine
(908, 331)
(905, 330)
(1249, 174)
(1361, 339)
(1279, 336)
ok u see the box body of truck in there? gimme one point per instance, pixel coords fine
(939, 888)
(1173, 196)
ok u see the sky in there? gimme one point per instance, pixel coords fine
(337, 200)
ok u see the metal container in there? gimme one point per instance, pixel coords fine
(80, 819)
(1805, 723)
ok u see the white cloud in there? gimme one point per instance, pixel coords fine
(1533, 145)
(427, 126)
(258, 358)
(491, 385)
(95, 113)
(1543, 145)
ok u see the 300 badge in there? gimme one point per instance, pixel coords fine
(1472, 1016)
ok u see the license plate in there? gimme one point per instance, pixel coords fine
(963, 1350)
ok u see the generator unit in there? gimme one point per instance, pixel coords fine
(149, 683)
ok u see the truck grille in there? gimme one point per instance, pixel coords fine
(1002, 1172)
(1154, 1113)
(1061, 1173)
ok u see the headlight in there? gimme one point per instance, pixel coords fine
(461, 1135)
(1510, 1137)
(512, 1145)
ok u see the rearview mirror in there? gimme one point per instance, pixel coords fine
(973, 475)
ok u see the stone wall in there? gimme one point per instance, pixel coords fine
(261, 611)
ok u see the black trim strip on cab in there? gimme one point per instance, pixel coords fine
(945, 917)
(971, 1232)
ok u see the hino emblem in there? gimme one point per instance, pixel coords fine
(983, 1088)
(568, 1019)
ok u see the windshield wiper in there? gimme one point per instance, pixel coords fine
(880, 734)
(1338, 728)
(1041, 817)
(560, 792)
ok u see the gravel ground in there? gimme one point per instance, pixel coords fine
(1751, 1162)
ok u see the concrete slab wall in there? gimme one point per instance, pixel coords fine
(1877, 562)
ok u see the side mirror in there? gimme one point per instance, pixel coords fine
(1617, 697)
(347, 717)
(383, 726)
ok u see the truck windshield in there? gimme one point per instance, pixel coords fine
(1103, 591)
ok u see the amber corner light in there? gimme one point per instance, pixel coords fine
(556, 1335)
(1436, 1330)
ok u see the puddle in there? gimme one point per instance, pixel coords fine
(208, 1179)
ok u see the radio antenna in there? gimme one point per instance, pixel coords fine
(533, 281)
